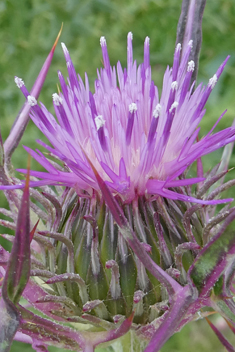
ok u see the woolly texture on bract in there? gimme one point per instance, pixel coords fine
(139, 143)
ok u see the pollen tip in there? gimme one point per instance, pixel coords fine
(190, 43)
(174, 106)
(57, 99)
(102, 41)
(157, 110)
(130, 35)
(19, 82)
(132, 107)
(178, 47)
(191, 66)
(99, 121)
(32, 100)
(147, 41)
(174, 85)
(64, 48)
(212, 81)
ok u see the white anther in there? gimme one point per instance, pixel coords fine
(157, 110)
(191, 66)
(99, 121)
(190, 43)
(178, 47)
(130, 35)
(31, 100)
(102, 41)
(174, 106)
(132, 107)
(57, 99)
(65, 50)
(19, 82)
(174, 85)
(212, 81)
(147, 41)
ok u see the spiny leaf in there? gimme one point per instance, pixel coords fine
(18, 268)
(17, 274)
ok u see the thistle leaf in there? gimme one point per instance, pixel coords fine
(18, 268)
(17, 274)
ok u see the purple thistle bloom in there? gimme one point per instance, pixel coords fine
(139, 144)
(119, 246)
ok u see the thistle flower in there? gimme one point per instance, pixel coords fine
(120, 245)
(139, 143)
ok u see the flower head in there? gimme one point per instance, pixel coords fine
(139, 143)
(118, 245)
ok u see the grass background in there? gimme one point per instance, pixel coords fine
(28, 29)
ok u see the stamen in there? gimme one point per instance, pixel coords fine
(130, 35)
(191, 66)
(130, 122)
(154, 123)
(174, 106)
(146, 53)
(176, 62)
(174, 85)
(31, 100)
(132, 107)
(178, 47)
(147, 41)
(102, 41)
(129, 54)
(157, 110)
(190, 43)
(65, 50)
(57, 99)
(19, 82)
(212, 81)
(99, 121)
(105, 56)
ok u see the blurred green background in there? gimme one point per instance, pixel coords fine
(28, 29)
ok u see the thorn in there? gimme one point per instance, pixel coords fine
(130, 318)
(33, 231)
(230, 325)
(57, 38)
